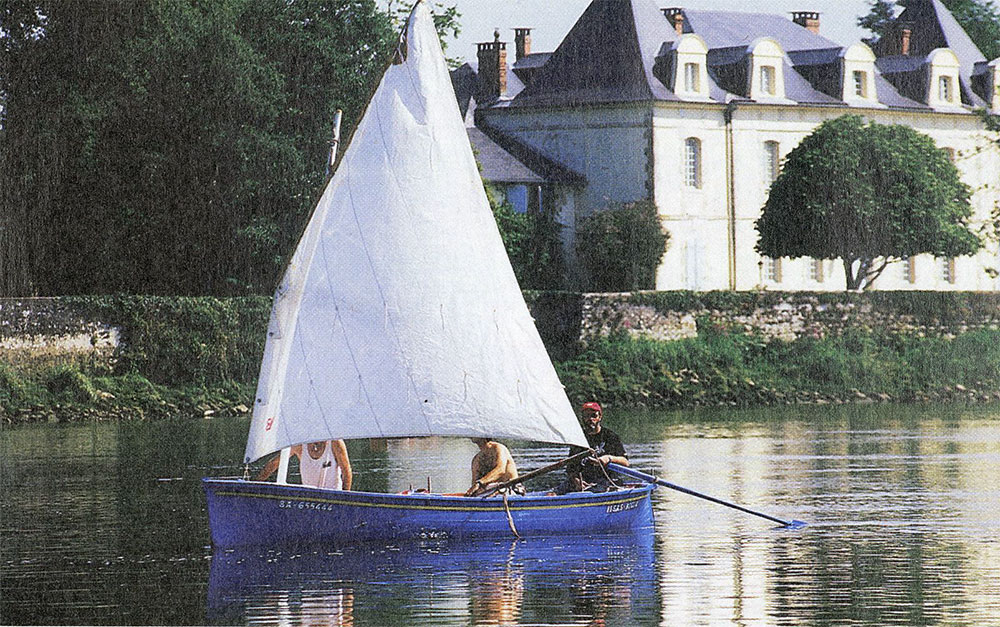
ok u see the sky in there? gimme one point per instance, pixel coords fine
(550, 20)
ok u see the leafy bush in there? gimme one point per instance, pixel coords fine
(181, 341)
(13, 389)
(68, 384)
(718, 367)
(621, 247)
(532, 243)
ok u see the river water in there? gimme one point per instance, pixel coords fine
(106, 524)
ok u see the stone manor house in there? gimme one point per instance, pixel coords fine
(696, 110)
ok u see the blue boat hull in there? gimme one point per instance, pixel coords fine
(245, 513)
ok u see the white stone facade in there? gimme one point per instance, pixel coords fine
(707, 161)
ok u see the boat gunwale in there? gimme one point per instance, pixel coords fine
(423, 500)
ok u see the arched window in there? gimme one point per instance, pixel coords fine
(692, 162)
(772, 162)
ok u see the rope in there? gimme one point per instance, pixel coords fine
(510, 518)
(611, 481)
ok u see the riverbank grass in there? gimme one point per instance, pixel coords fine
(721, 368)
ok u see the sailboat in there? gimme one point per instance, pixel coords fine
(399, 316)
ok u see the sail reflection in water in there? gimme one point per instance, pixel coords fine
(553, 580)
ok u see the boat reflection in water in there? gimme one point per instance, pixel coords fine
(565, 580)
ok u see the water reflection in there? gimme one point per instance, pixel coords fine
(105, 524)
(507, 582)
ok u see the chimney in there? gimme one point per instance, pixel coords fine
(807, 19)
(522, 43)
(904, 40)
(676, 17)
(492, 70)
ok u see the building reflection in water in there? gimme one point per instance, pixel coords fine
(901, 510)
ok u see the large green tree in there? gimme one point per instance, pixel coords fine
(171, 146)
(867, 194)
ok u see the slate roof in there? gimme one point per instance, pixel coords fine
(608, 56)
(933, 27)
(548, 169)
(729, 29)
(618, 48)
(465, 81)
(498, 165)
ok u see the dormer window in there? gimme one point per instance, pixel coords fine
(860, 84)
(692, 77)
(767, 81)
(766, 71)
(690, 63)
(946, 92)
(858, 67)
(942, 81)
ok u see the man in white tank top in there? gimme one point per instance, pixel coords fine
(322, 465)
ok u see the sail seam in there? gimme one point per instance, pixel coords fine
(377, 110)
(312, 387)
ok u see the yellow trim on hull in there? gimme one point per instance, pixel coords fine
(432, 507)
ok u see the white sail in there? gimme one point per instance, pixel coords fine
(399, 314)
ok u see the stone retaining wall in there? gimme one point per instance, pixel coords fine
(54, 329)
(49, 330)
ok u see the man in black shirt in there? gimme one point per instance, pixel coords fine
(608, 447)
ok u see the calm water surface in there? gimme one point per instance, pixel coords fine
(105, 524)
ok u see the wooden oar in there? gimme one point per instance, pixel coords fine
(539, 471)
(793, 524)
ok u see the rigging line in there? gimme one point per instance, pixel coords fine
(312, 387)
(343, 329)
(376, 111)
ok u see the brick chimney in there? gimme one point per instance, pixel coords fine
(676, 17)
(522, 43)
(904, 40)
(492, 70)
(807, 19)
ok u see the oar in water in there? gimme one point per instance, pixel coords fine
(792, 524)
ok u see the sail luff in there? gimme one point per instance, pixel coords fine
(399, 314)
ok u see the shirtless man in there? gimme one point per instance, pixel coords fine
(492, 464)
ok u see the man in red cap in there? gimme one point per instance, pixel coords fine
(607, 446)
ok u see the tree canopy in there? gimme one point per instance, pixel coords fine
(866, 194)
(172, 146)
(620, 247)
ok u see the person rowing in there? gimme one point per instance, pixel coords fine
(590, 474)
(493, 464)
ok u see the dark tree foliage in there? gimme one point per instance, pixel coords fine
(532, 243)
(981, 21)
(866, 194)
(879, 17)
(171, 146)
(621, 247)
